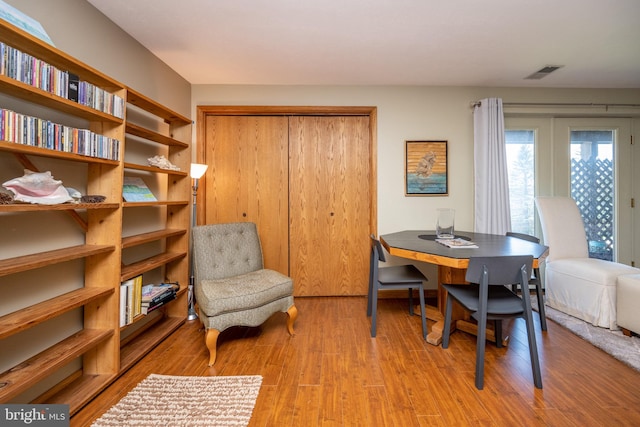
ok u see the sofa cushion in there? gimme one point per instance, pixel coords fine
(628, 302)
(243, 292)
(585, 288)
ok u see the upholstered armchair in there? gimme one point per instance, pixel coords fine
(231, 285)
(575, 284)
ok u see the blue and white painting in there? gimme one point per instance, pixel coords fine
(426, 168)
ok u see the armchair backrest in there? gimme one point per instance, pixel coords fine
(562, 228)
(225, 250)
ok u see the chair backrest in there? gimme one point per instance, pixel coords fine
(523, 236)
(377, 252)
(562, 228)
(225, 250)
(501, 270)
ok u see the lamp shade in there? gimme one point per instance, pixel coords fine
(197, 170)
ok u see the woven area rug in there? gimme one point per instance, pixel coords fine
(626, 349)
(163, 400)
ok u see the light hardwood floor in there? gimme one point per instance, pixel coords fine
(332, 373)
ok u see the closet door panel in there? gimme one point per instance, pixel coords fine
(330, 200)
(249, 182)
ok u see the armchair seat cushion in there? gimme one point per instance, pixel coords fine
(243, 292)
(585, 288)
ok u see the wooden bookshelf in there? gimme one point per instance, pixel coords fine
(97, 346)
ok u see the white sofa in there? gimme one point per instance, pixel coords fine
(574, 283)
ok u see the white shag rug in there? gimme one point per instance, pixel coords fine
(180, 401)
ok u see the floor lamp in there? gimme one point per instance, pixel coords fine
(197, 170)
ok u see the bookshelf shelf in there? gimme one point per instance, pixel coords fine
(45, 152)
(157, 203)
(20, 378)
(153, 136)
(153, 169)
(43, 259)
(148, 264)
(96, 347)
(151, 236)
(25, 207)
(38, 313)
(29, 93)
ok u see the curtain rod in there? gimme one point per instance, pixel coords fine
(556, 104)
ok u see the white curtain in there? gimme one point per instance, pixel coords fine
(492, 212)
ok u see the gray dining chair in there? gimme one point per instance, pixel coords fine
(535, 280)
(393, 277)
(487, 297)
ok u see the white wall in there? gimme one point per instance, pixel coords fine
(413, 113)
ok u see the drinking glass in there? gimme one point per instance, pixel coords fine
(445, 223)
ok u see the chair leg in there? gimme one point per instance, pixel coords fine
(411, 301)
(211, 340)
(447, 323)
(374, 310)
(370, 297)
(292, 315)
(497, 328)
(480, 348)
(423, 313)
(533, 350)
(540, 295)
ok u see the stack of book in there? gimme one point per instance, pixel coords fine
(130, 299)
(155, 296)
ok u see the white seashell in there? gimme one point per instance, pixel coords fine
(37, 187)
(74, 193)
(162, 162)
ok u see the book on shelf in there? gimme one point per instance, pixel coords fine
(154, 296)
(157, 304)
(130, 299)
(457, 242)
(135, 190)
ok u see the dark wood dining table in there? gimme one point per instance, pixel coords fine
(421, 245)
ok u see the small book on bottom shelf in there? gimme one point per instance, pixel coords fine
(154, 296)
(457, 243)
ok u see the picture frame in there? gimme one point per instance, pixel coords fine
(426, 168)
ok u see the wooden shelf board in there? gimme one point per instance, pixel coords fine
(154, 169)
(23, 376)
(45, 152)
(141, 101)
(158, 203)
(29, 93)
(27, 43)
(149, 264)
(30, 207)
(42, 259)
(152, 236)
(33, 315)
(135, 350)
(145, 133)
(80, 392)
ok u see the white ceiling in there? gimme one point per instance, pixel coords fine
(389, 42)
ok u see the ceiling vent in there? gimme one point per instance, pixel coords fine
(543, 72)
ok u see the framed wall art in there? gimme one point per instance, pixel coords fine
(426, 172)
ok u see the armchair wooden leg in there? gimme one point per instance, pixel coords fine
(292, 314)
(211, 340)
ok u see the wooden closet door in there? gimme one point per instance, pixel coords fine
(329, 205)
(248, 182)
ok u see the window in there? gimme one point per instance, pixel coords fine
(520, 145)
